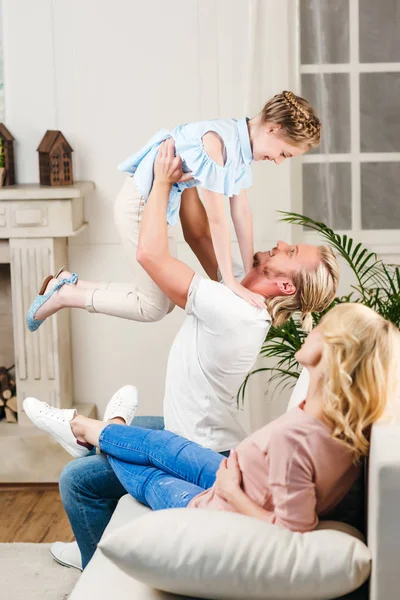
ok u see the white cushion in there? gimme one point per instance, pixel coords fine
(104, 580)
(225, 555)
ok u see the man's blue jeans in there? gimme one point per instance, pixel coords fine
(90, 491)
(91, 487)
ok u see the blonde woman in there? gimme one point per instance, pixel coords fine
(290, 472)
(217, 157)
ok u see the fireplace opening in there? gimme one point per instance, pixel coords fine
(8, 400)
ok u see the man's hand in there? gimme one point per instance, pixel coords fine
(250, 297)
(167, 166)
(229, 478)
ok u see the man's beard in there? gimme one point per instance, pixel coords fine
(256, 260)
(257, 265)
(265, 270)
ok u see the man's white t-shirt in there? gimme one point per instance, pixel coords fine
(210, 357)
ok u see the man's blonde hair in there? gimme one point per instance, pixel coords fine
(315, 290)
(361, 358)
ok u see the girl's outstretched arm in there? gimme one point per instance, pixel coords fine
(219, 225)
(196, 231)
(243, 222)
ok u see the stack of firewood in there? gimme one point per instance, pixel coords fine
(8, 398)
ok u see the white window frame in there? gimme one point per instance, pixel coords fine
(382, 241)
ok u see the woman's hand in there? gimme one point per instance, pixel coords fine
(167, 166)
(229, 478)
(250, 297)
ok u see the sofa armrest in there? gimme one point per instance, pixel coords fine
(383, 510)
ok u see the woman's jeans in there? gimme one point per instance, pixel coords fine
(90, 491)
(159, 468)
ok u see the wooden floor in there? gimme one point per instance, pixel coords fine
(33, 513)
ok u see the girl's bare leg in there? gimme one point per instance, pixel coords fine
(68, 296)
(86, 285)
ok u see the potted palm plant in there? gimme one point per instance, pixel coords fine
(2, 162)
(377, 285)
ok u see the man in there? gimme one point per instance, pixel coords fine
(211, 354)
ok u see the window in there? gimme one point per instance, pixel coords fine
(350, 71)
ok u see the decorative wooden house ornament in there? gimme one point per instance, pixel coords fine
(55, 159)
(7, 176)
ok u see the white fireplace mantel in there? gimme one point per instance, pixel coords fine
(35, 223)
(34, 211)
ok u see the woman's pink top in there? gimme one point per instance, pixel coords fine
(293, 468)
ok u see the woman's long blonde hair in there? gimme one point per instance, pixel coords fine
(362, 358)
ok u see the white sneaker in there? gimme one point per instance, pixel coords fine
(56, 422)
(123, 404)
(67, 554)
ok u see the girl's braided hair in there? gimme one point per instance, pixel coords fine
(297, 118)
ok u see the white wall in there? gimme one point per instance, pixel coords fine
(109, 74)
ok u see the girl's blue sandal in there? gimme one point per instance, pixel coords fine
(34, 324)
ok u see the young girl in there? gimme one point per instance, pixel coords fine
(216, 156)
(291, 471)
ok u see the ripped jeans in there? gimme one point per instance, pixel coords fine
(159, 468)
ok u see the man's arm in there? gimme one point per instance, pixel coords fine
(196, 231)
(172, 276)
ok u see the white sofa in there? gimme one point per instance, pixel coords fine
(103, 580)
